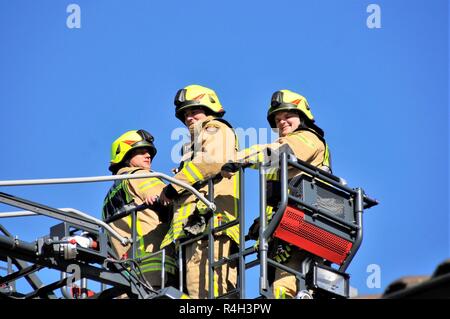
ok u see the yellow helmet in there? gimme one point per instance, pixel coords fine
(128, 141)
(285, 100)
(197, 96)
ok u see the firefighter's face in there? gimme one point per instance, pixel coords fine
(287, 122)
(141, 158)
(192, 116)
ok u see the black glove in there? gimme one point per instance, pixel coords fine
(231, 167)
(195, 225)
(165, 213)
(170, 192)
(253, 232)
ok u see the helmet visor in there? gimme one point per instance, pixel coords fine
(277, 102)
(146, 136)
(180, 97)
(147, 141)
(277, 99)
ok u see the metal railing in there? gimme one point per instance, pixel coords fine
(85, 216)
(287, 160)
(82, 219)
(361, 202)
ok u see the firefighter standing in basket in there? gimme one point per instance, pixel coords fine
(213, 143)
(132, 153)
(290, 113)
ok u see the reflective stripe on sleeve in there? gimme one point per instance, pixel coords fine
(192, 173)
(149, 183)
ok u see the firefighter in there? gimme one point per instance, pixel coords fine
(132, 153)
(290, 114)
(212, 144)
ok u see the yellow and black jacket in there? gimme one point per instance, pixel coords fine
(213, 143)
(150, 226)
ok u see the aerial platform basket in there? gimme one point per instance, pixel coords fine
(316, 211)
(319, 218)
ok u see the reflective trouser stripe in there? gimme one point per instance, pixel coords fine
(280, 293)
(141, 238)
(168, 239)
(272, 174)
(156, 260)
(232, 232)
(284, 254)
(280, 258)
(185, 210)
(269, 212)
(140, 251)
(176, 227)
(216, 285)
(326, 157)
(236, 179)
(141, 248)
(157, 268)
(154, 264)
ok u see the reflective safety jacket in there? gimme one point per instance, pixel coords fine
(213, 143)
(150, 228)
(306, 144)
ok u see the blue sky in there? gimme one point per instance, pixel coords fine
(381, 95)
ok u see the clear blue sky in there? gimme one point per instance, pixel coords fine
(381, 95)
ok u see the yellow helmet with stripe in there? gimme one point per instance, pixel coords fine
(197, 96)
(286, 100)
(129, 141)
